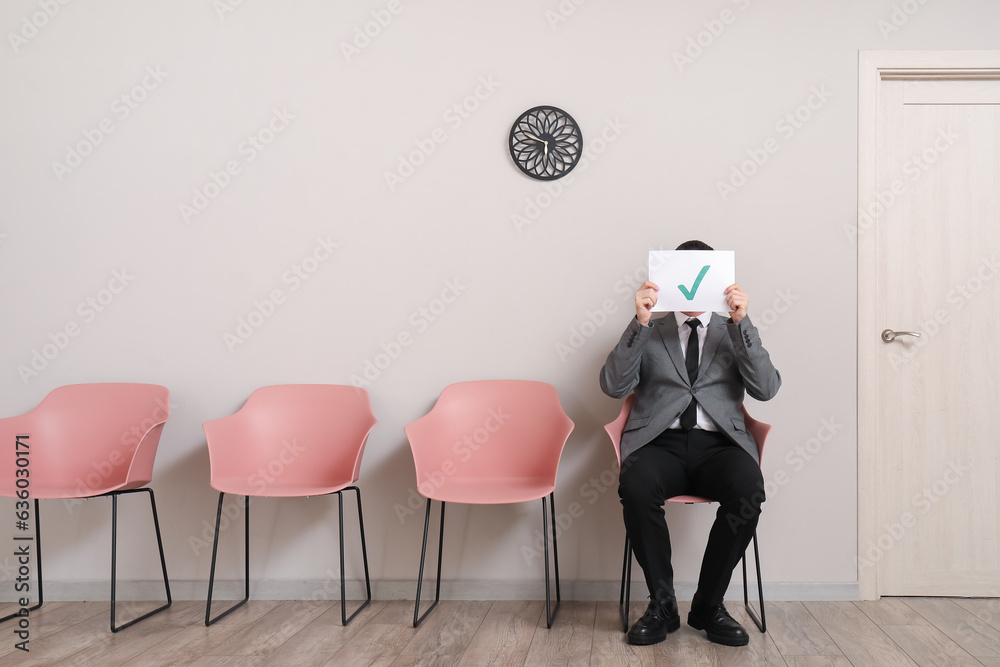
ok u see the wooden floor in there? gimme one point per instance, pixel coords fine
(892, 631)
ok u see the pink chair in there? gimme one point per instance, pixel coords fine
(85, 441)
(490, 442)
(287, 441)
(759, 431)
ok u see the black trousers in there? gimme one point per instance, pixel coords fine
(697, 463)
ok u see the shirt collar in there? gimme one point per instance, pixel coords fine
(681, 318)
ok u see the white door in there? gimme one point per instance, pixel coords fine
(928, 234)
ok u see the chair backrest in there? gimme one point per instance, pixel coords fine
(309, 435)
(491, 429)
(616, 428)
(87, 439)
(758, 429)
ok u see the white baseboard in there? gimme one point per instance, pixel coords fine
(328, 589)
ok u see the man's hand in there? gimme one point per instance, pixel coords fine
(645, 299)
(737, 300)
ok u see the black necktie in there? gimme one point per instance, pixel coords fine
(690, 415)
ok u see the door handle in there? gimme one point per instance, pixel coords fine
(889, 335)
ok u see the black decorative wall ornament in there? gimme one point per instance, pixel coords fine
(545, 143)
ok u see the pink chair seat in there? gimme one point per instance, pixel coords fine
(476, 490)
(279, 488)
(688, 499)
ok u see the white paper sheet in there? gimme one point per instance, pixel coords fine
(692, 280)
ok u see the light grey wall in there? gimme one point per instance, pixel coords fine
(661, 134)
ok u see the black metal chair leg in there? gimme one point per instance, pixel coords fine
(159, 543)
(38, 563)
(760, 621)
(417, 618)
(555, 549)
(114, 546)
(626, 590)
(246, 559)
(364, 556)
(550, 613)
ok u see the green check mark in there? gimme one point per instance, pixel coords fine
(694, 288)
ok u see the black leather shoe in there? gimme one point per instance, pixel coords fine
(719, 625)
(660, 618)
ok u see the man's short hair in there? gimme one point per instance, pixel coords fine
(694, 245)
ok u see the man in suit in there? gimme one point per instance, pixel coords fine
(686, 436)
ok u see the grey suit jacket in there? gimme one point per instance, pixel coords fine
(649, 360)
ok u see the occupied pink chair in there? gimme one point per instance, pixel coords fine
(759, 431)
(291, 440)
(490, 442)
(85, 441)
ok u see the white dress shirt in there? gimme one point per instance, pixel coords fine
(703, 422)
